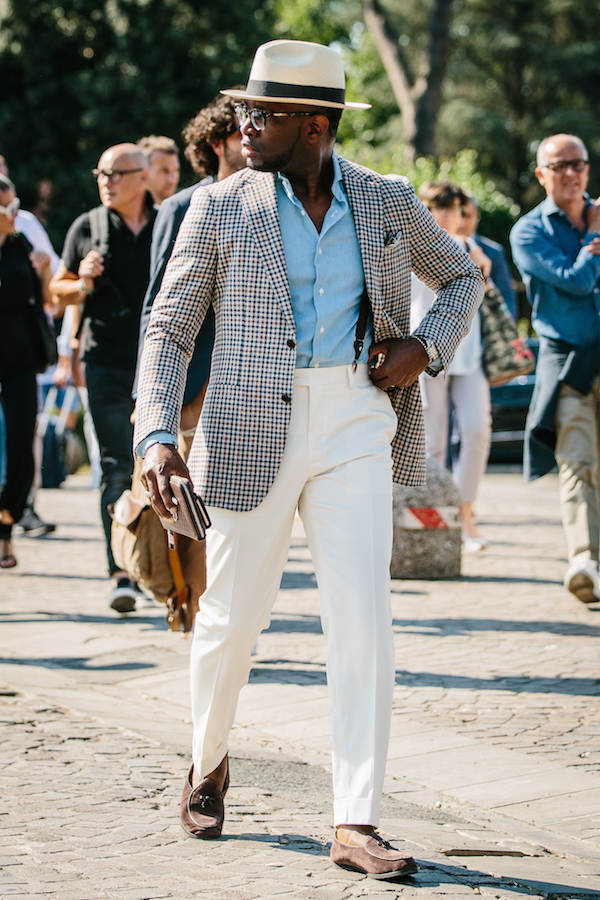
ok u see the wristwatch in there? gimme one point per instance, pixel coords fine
(430, 349)
(83, 288)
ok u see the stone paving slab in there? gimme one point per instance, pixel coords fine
(499, 667)
(116, 835)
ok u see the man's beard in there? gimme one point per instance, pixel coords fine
(277, 164)
(233, 157)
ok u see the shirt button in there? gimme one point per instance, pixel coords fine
(320, 251)
(321, 291)
(291, 343)
(321, 330)
(286, 398)
(303, 212)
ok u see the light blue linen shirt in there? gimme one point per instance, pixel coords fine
(561, 276)
(325, 275)
(326, 279)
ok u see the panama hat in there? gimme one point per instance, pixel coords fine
(297, 72)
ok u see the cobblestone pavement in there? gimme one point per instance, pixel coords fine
(493, 769)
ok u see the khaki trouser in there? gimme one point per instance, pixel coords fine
(577, 455)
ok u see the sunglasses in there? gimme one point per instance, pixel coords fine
(258, 117)
(11, 209)
(115, 175)
(578, 165)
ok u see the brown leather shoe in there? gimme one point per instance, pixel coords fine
(202, 811)
(375, 858)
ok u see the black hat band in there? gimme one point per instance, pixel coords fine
(301, 91)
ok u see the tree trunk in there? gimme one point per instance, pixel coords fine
(396, 67)
(419, 98)
(430, 100)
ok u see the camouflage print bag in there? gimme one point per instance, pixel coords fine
(504, 354)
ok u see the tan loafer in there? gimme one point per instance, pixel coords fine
(375, 858)
(202, 810)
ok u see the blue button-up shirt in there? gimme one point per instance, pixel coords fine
(560, 274)
(325, 275)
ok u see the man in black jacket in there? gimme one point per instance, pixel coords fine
(104, 269)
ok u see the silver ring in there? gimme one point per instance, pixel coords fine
(148, 495)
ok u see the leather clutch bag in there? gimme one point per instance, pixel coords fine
(192, 518)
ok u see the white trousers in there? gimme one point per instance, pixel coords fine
(337, 472)
(471, 398)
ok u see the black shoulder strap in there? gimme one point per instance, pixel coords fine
(361, 327)
(99, 226)
(99, 229)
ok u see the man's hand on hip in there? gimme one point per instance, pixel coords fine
(403, 362)
(160, 462)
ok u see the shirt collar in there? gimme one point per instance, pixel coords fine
(337, 186)
(149, 206)
(549, 207)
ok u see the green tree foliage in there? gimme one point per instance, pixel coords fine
(78, 77)
(519, 71)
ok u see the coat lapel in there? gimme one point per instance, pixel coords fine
(259, 203)
(366, 206)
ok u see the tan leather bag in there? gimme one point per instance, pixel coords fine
(139, 544)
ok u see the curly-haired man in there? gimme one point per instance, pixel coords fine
(212, 140)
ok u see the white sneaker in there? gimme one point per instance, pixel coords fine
(474, 544)
(123, 595)
(583, 581)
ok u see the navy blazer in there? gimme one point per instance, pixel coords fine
(500, 271)
(166, 227)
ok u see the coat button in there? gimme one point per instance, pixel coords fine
(291, 343)
(286, 398)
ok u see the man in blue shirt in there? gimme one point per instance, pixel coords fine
(557, 249)
(302, 256)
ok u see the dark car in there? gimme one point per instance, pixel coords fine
(510, 403)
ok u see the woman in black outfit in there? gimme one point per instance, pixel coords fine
(24, 275)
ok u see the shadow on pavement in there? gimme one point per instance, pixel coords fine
(504, 579)
(437, 875)
(298, 843)
(268, 674)
(74, 662)
(441, 627)
(518, 685)
(39, 616)
(61, 576)
(284, 674)
(55, 538)
(298, 581)
(297, 624)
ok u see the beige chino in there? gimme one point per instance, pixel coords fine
(578, 429)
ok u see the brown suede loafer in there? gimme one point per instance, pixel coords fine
(375, 858)
(202, 811)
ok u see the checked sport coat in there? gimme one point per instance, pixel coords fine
(229, 253)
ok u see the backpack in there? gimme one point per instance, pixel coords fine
(99, 230)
